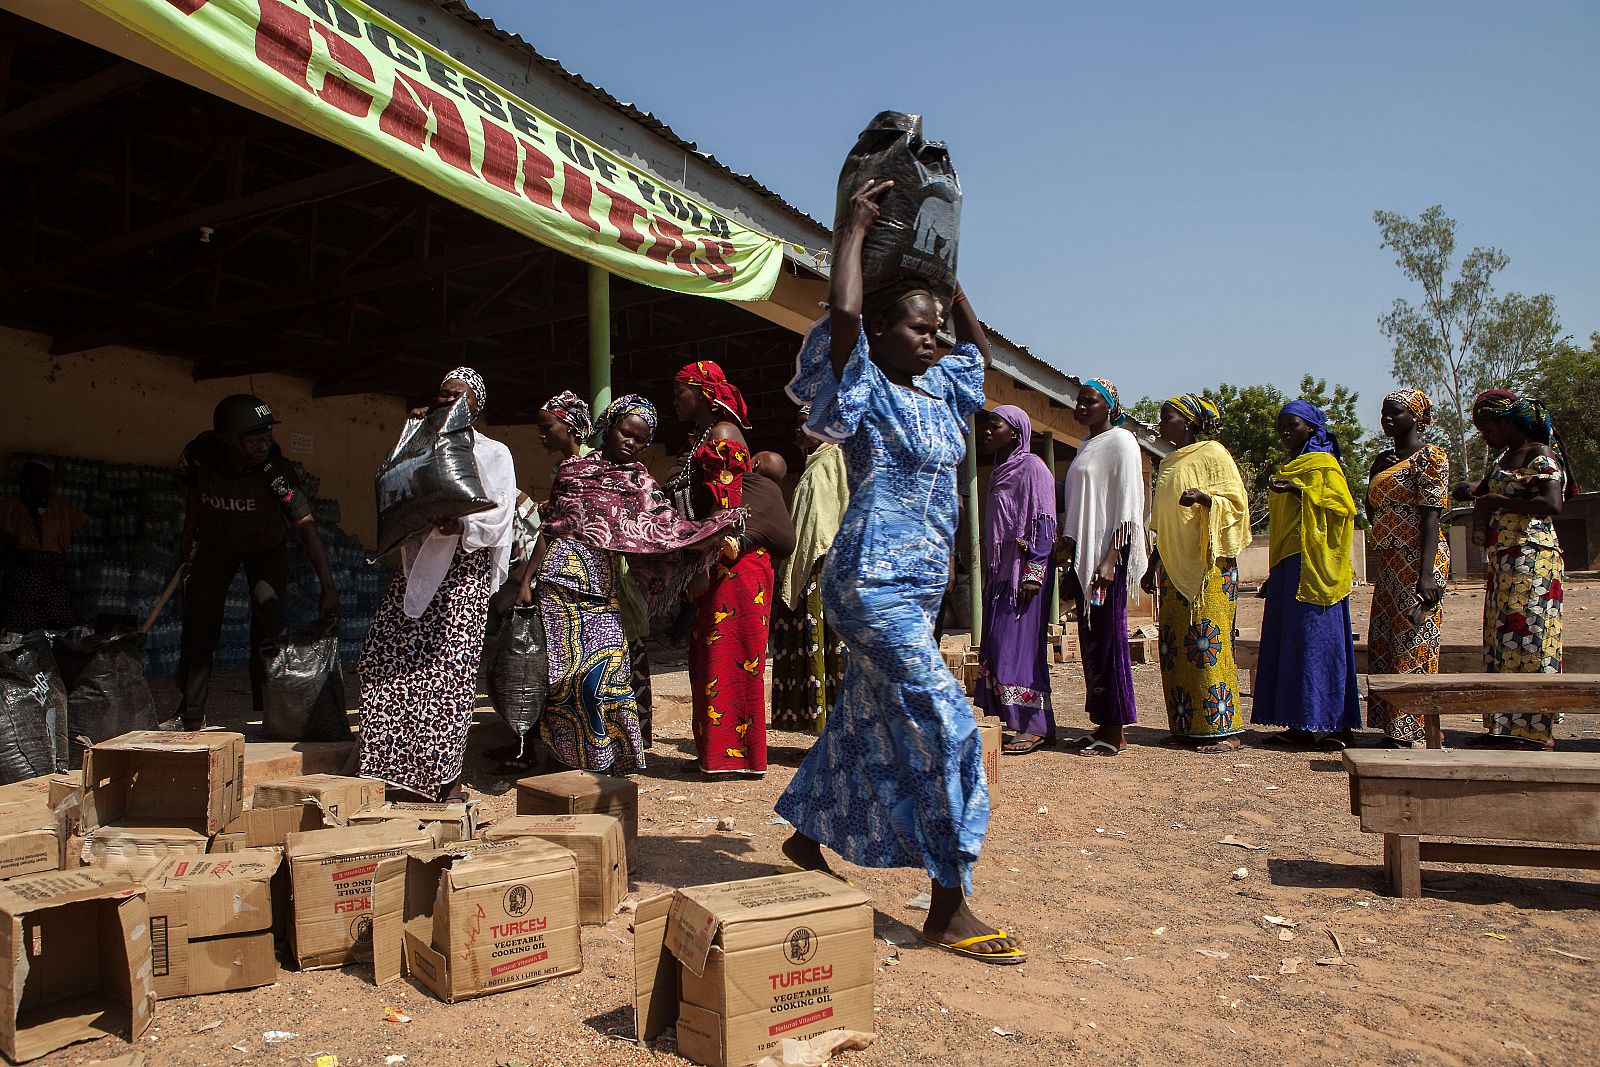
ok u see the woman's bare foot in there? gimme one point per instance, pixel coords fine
(807, 854)
(950, 921)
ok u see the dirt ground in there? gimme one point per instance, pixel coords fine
(1145, 946)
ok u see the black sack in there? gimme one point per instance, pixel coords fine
(302, 686)
(430, 472)
(519, 673)
(33, 711)
(919, 219)
(107, 694)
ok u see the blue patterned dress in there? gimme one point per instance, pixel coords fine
(896, 779)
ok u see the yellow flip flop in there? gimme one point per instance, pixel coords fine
(1005, 957)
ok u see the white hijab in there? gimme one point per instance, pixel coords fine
(1105, 504)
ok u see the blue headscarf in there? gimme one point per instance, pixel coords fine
(1104, 387)
(1320, 440)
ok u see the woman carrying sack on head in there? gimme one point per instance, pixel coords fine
(419, 665)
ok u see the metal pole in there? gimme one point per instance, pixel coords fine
(974, 537)
(600, 337)
(1055, 586)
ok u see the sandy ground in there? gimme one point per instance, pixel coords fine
(1145, 947)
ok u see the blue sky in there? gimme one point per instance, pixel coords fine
(1166, 194)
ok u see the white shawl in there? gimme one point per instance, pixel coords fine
(1104, 490)
(427, 564)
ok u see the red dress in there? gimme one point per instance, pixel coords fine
(728, 649)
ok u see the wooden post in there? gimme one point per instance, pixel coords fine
(1433, 730)
(599, 338)
(969, 473)
(1402, 859)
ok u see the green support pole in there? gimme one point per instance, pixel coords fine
(1055, 586)
(974, 537)
(599, 337)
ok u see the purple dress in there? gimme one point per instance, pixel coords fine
(1019, 539)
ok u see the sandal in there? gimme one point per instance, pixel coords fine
(1100, 748)
(1291, 738)
(1081, 743)
(1226, 744)
(964, 947)
(1019, 747)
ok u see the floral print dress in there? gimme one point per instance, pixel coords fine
(1522, 597)
(1398, 643)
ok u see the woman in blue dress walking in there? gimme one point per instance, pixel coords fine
(896, 779)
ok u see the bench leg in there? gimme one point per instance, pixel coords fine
(1401, 858)
(1434, 731)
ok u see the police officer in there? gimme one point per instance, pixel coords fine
(243, 497)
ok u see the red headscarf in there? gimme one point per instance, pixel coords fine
(707, 377)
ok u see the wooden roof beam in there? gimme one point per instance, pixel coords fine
(38, 113)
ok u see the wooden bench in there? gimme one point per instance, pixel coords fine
(1500, 795)
(1455, 657)
(1429, 696)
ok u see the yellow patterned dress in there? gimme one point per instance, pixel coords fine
(1522, 596)
(1397, 642)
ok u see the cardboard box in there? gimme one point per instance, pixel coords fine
(585, 793)
(342, 889)
(31, 839)
(181, 779)
(445, 822)
(135, 849)
(77, 946)
(739, 966)
(211, 922)
(268, 827)
(595, 841)
(338, 796)
(487, 916)
(990, 733)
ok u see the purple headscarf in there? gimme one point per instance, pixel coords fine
(1020, 493)
(1320, 440)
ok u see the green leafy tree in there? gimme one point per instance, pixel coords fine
(1461, 338)
(1568, 382)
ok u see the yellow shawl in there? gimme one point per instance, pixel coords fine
(1319, 525)
(1191, 540)
(818, 508)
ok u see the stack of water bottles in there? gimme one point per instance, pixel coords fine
(123, 559)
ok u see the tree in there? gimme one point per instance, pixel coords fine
(1248, 429)
(1567, 381)
(1461, 339)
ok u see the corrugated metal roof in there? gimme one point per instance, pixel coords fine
(648, 120)
(814, 264)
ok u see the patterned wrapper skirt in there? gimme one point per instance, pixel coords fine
(728, 665)
(419, 679)
(1199, 675)
(1394, 644)
(590, 720)
(1522, 628)
(807, 662)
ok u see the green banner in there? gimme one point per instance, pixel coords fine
(344, 70)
